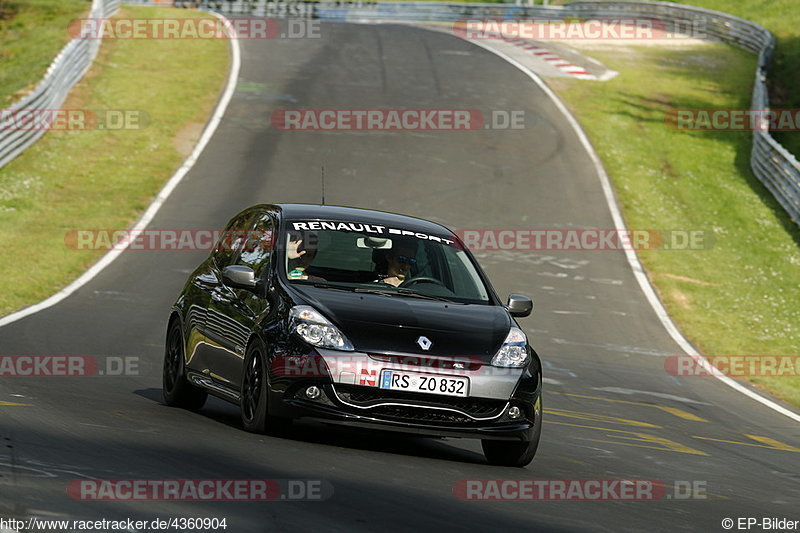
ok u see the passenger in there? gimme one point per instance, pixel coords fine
(300, 256)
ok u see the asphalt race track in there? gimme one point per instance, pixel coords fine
(611, 410)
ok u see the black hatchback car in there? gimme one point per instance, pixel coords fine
(355, 317)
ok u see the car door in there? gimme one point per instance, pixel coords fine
(233, 313)
(205, 281)
(197, 295)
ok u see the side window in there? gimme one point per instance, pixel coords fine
(465, 279)
(257, 249)
(232, 240)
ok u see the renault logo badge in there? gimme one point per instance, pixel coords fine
(424, 343)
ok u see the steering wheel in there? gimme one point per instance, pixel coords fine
(420, 279)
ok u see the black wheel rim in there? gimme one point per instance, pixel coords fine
(172, 361)
(251, 389)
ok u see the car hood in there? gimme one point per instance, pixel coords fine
(393, 324)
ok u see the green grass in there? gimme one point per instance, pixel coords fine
(104, 179)
(32, 32)
(740, 294)
(780, 17)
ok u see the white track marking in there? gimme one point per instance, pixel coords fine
(170, 186)
(633, 261)
(553, 59)
(629, 392)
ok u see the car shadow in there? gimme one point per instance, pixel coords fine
(315, 432)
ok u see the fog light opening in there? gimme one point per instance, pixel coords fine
(514, 412)
(313, 392)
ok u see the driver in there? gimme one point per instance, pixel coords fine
(399, 261)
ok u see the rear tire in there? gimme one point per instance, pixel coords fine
(254, 399)
(178, 392)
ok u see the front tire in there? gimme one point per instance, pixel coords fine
(254, 399)
(178, 392)
(520, 454)
(503, 453)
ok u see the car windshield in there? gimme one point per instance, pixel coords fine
(372, 258)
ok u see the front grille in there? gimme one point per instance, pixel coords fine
(371, 396)
(418, 414)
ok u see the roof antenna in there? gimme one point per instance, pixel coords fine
(323, 184)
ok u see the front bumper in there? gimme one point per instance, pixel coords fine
(514, 431)
(362, 403)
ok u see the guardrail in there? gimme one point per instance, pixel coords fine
(64, 72)
(774, 166)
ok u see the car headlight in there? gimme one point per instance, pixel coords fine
(316, 330)
(514, 352)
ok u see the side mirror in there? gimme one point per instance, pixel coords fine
(519, 305)
(240, 277)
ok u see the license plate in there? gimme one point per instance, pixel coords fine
(427, 383)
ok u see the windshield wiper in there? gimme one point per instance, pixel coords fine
(409, 292)
(404, 292)
(337, 287)
(384, 292)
